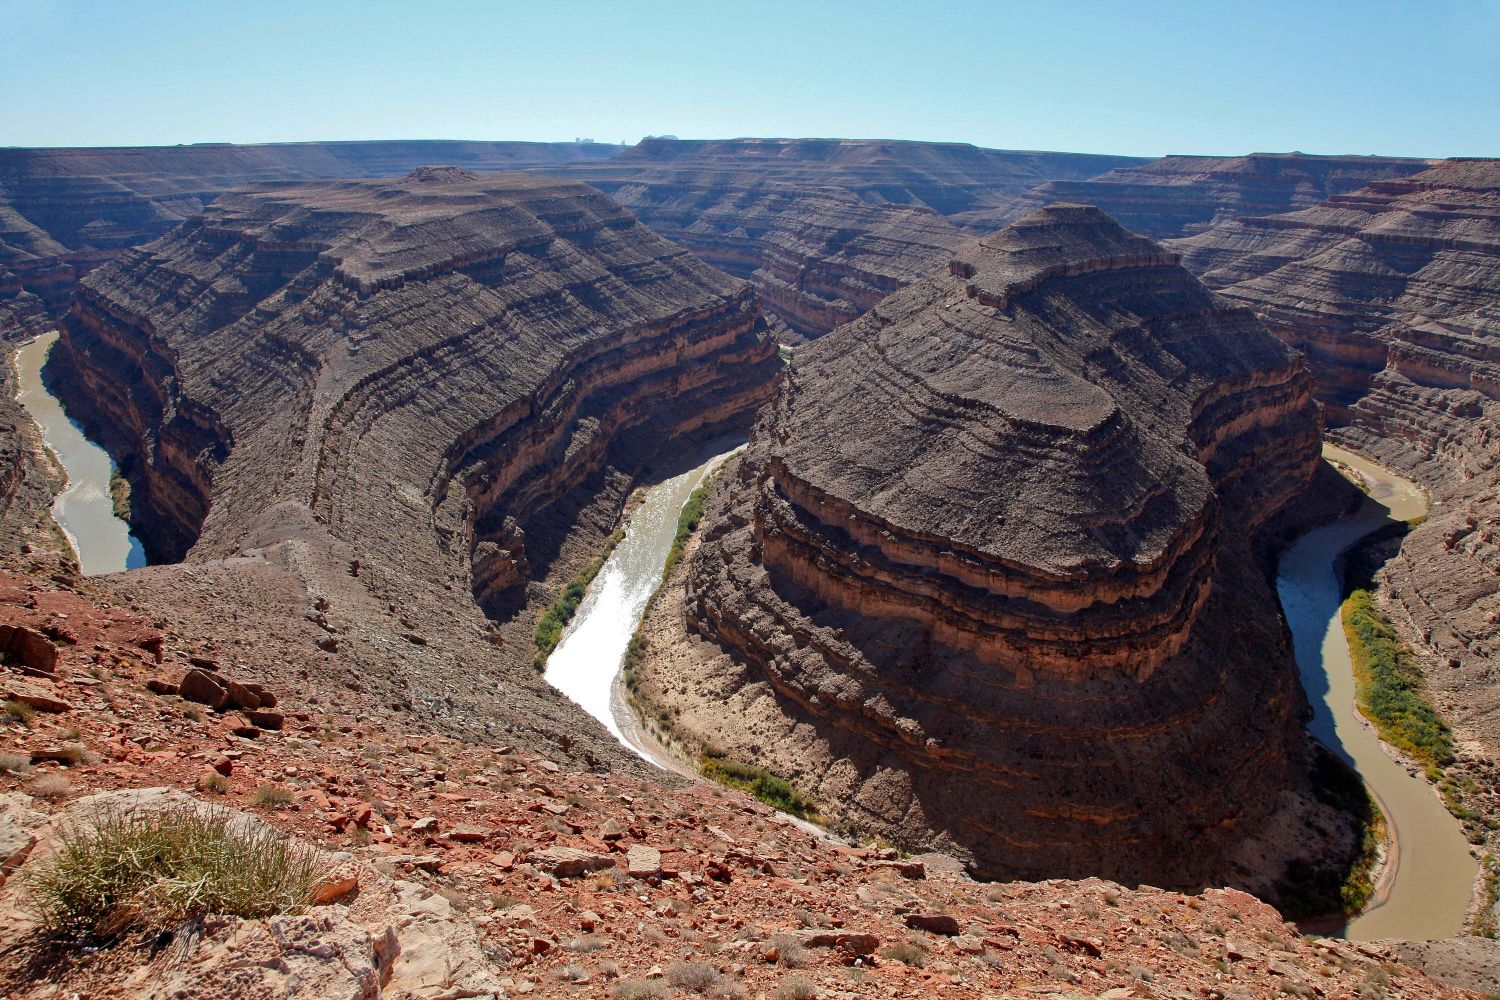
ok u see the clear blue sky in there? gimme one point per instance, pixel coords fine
(1421, 77)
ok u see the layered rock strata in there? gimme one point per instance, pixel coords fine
(1393, 293)
(987, 576)
(824, 228)
(1183, 195)
(64, 212)
(399, 391)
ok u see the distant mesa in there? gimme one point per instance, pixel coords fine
(440, 175)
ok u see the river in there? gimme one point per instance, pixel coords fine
(1425, 893)
(586, 664)
(84, 508)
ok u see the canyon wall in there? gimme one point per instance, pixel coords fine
(824, 228)
(405, 390)
(1393, 294)
(64, 212)
(987, 579)
(1182, 195)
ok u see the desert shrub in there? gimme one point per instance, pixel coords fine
(699, 977)
(906, 952)
(790, 953)
(770, 789)
(272, 796)
(214, 782)
(640, 989)
(154, 871)
(687, 523)
(14, 763)
(19, 712)
(52, 787)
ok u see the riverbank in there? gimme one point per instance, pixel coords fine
(84, 508)
(1424, 887)
(585, 663)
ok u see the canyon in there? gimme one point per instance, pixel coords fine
(1179, 196)
(993, 578)
(1393, 294)
(64, 212)
(974, 586)
(402, 414)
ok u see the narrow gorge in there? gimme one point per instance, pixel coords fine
(374, 398)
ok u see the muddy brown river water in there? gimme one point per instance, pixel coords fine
(1428, 882)
(84, 509)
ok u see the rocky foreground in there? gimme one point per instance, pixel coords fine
(492, 871)
(989, 575)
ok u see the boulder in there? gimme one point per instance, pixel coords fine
(934, 923)
(203, 687)
(38, 694)
(570, 862)
(642, 861)
(29, 649)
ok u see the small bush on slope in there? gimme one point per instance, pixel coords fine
(154, 871)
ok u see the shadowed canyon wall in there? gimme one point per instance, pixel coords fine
(1393, 293)
(988, 579)
(401, 390)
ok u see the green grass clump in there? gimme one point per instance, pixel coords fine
(549, 627)
(635, 653)
(1388, 684)
(770, 789)
(119, 493)
(155, 871)
(687, 523)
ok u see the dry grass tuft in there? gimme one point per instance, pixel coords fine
(155, 871)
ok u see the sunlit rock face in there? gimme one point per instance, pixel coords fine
(992, 558)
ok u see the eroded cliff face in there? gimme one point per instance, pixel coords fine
(824, 228)
(986, 577)
(1182, 195)
(1393, 293)
(64, 212)
(421, 386)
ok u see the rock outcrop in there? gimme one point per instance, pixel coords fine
(987, 577)
(64, 212)
(398, 393)
(1182, 195)
(1393, 294)
(824, 228)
